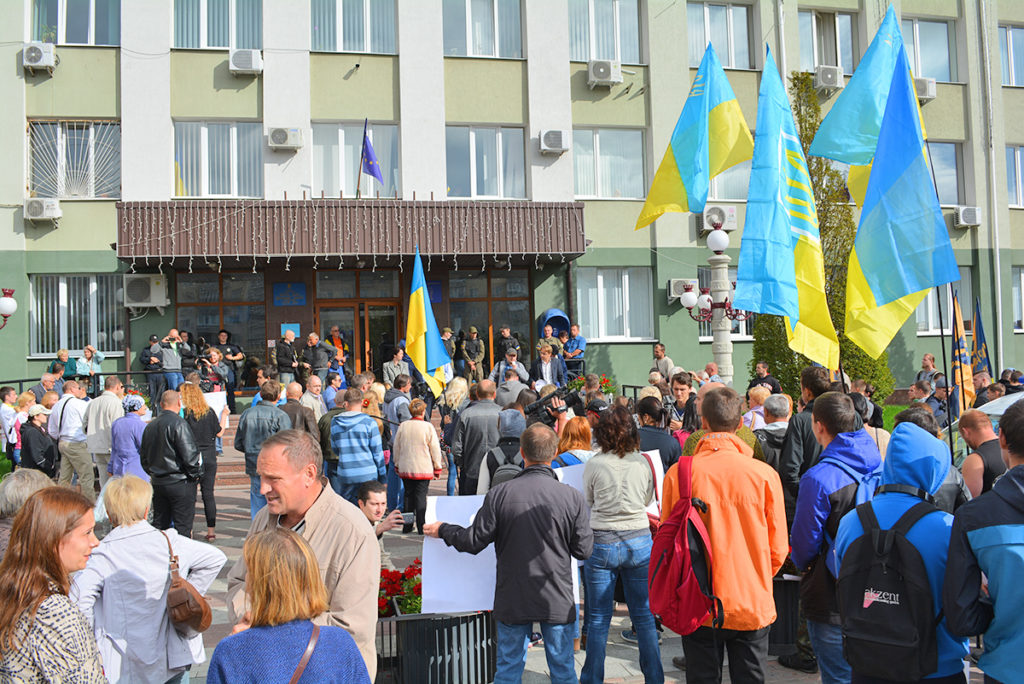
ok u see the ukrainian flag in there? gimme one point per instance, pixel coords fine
(710, 137)
(422, 339)
(901, 249)
(781, 269)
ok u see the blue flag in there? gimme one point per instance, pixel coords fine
(979, 348)
(371, 166)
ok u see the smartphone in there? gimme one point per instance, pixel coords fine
(409, 518)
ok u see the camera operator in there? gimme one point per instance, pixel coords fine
(682, 409)
(652, 432)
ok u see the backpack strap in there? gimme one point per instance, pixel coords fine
(906, 489)
(684, 468)
(912, 516)
(558, 459)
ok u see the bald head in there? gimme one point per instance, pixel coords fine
(170, 400)
(485, 389)
(293, 391)
(702, 392)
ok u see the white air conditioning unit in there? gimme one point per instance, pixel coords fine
(284, 138)
(925, 88)
(677, 286)
(36, 55)
(603, 72)
(717, 215)
(42, 209)
(555, 142)
(967, 217)
(828, 78)
(145, 289)
(245, 62)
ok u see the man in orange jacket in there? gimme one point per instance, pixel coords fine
(746, 522)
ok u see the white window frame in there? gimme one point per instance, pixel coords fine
(713, 187)
(339, 23)
(204, 16)
(742, 331)
(950, 45)
(500, 162)
(62, 125)
(1017, 274)
(839, 50)
(62, 25)
(966, 309)
(597, 163)
(204, 166)
(598, 327)
(1018, 157)
(592, 33)
(343, 172)
(1009, 28)
(726, 59)
(497, 33)
(63, 313)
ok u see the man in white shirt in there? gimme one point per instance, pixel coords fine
(313, 399)
(99, 416)
(65, 425)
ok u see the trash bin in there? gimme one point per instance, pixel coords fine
(437, 649)
(782, 637)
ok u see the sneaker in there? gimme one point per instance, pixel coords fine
(795, 661)
(630, 636)
(679, 662)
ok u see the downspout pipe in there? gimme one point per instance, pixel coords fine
(993, 208)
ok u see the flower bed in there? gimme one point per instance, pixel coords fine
(401, 591)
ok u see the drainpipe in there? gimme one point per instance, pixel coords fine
(993, 208)
(780, 24)
(570, 293)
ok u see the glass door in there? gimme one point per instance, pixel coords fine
(335, 322)
(381, 326)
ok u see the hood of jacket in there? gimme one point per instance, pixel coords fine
(856, 449)
(915, 458)
(350, 418)
(393, 394)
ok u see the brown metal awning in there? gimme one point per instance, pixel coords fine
(253, 229)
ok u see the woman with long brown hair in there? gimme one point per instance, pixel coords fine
(43, 634)
(206, 427)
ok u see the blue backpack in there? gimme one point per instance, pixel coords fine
(867, 483)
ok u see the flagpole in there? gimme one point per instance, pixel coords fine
(362, 149)
(945, 369)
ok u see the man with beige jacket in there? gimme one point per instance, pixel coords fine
(99, 415)
(290, 467)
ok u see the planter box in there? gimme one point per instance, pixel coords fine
(436, 649)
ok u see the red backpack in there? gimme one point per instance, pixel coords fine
(679, 575)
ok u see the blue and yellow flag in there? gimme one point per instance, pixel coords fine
(979, 348)
(901, 248)
(781, 269)
(423, 341)
(962, 377)
(710, 137)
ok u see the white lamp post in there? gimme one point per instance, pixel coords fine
(7, 305)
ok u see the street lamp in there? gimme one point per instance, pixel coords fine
(7, 305)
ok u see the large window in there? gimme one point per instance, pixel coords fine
(827, 39)
(1017, 286)
(353, 26)
(490, 300)
(486, 162)
(337, 149)
(741, 330)
(931, 48)
(725, 26)
(233, 301)
(77, 22)
(615, 303)
(1011, 49)
(75, 159)
(731, 184)
(71, 311)
(928, 311)
(483, 28)
(218, 24)
(945, 160)
(1014, 167)
(218, 159)
(608, 162)
(604, 29)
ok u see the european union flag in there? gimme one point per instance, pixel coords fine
(371, 166)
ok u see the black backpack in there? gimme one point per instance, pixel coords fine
(885, 598)
(506, 469)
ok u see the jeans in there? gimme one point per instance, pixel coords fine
(331, 473)
(350, 492)
(827, 641)
(558, 649)
(174, 380)
(16, 456)
(286, 378)
(175, 504)
(256, 500)
(416, 501)
(453, 474)
(627, 559)
(704, 649)
(396, 491)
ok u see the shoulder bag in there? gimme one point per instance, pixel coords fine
(310, 647)
(189, 611)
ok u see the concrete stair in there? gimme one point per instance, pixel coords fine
(231, 464)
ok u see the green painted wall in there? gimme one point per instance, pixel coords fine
(86, 83)
(484, 90)
(625, 104)
(368, 91)
(88, 225)
(202, 86)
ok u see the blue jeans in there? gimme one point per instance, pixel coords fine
(256, 500)
(174, 380)
(453, 474)
(286, 378)
(16, 455)
(827, 641)
(627, 559)
(396, 490)
(558, 649)
(331, 472)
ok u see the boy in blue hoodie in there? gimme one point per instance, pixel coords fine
(827, 493)
(917, 459)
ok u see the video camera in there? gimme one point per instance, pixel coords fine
(538, 409)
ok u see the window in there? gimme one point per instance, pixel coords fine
(726, 26)
(615, 303)
(218, 159)
(364, 26)
(489, 300)
(233, 301)
(71, 311)
(741, 330)
(337, 149)
(604, 29)
(1014, 187)
(1011, 49)
(731, 184)
(931, 48)
(827, 38)
(70, 159)
(483, 28)
(486, 162)
(945, 159)
(77, 22)
(218, 24)
(1018, 306)
(928, 311)
(608, 162)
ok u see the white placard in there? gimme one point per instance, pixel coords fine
(217, 401)
(659, 481)
(572, 475)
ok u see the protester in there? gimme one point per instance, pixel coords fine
(919, 391)
(537, 525)
(744, 433)
(302, 417)
(801, 449)
(298, 498)
(995, 390)
(15, 488)
(500, 375)
(510, 387)
(168, 353)
(653, 437)
(373, 400)
(683, 411)
(51, 398)
(618, 484)
(46, 384)
(574, 443)
(981, 381)
(65, 426)
(316, 357)
(313, 398)
(574, 349)
(954, 492)
(511, 424)
(256, 424)
(927, 369)
(777, 410)
(44, 637)
(332, 385)
(8, 424)
(122, 592)
(68, 370)
(232, 355)
(373, 502)
(472, 355)
(416, 454)
(214, 372)
(356, 439)
(762, 378)
(547, 369)
(938, 404)
(475, 433)
(175, 466)
(711, 370)
(152, 363)
(505, 342)
(99, 415)
(38, 448)
(985, 463)
(662, 363)
(454, 398)
(754, 418)
(874, 415)
(285, 357)
(126, 440)
(864, 409)
(206, 427)
(25, 401)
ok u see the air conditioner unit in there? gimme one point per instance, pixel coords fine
(925, 88)
(284, 138)
(828, 78)
(145, 289)
(967, 217)
(603, 72)
(38, 55)
(42, 209)
(717, 215)
(555, 142)
(677, 286)
(245, 62)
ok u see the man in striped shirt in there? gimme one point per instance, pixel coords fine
(355, 438)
